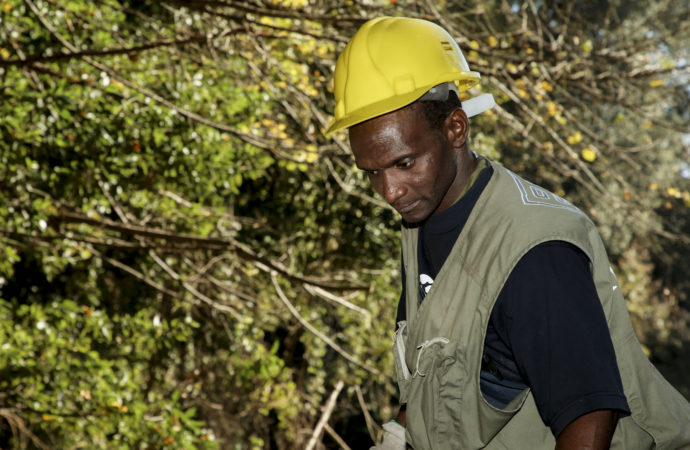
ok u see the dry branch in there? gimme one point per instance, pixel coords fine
(201, 243)
(327, 410)
(316, 332)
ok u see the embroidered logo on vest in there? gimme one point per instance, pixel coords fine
(532, 194)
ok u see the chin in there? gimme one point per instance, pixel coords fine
(412, 220)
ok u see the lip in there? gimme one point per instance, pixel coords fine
(408, 208)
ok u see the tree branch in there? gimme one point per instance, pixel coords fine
(286, 14)
(19, 429)
(29, 60)
(327, 410)
(202, 243)
(135, 273)
(336, 437)
(316, 332)
(371, 425)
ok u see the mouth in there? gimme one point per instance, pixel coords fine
(408, 208)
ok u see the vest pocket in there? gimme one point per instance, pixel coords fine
(435, 395)
(463, 415)
(446, 405)
(439, 376)
(450, 378)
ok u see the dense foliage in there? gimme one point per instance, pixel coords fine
(189, 262)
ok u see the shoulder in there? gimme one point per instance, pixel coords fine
(518, 214)
(522, 195)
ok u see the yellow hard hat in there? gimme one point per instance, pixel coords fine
(391, 62)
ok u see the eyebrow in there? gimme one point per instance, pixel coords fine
(393, 163)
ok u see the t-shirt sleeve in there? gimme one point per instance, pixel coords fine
(550, 315)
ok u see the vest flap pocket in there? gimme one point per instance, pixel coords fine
(435, 392)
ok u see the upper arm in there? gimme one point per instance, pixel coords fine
(593, 431)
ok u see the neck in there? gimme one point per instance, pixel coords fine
(466, 163)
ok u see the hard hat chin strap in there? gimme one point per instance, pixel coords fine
(479, 104)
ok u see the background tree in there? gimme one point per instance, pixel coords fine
(190, 262)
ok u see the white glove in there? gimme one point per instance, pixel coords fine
(393, 438)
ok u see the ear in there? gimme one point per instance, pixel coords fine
(456, 127)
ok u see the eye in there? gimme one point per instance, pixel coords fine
(405, 164)
(372, 173)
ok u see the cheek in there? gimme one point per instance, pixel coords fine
(428, 174)
(441, 173)
(421, 181)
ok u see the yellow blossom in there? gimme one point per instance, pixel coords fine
(553, 110)
(575, 138)
(546, 86)
(588, 154)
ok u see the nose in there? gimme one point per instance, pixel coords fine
(393, 188)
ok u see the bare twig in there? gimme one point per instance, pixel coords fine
(215, 305)
(203, 243)
(319, 292)
(19, 428)
(336, 437)
(285, 13)
(28, 60)
(350, 190)
(564, 145)
(316, 332)
(371, 424)
(135, 273)
(327, 410)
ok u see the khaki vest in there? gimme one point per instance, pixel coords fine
(438, 351)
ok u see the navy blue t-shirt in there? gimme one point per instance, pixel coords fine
(547, 330)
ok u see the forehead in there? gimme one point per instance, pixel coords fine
(381, 140)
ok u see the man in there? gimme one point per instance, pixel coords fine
(512, 331)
